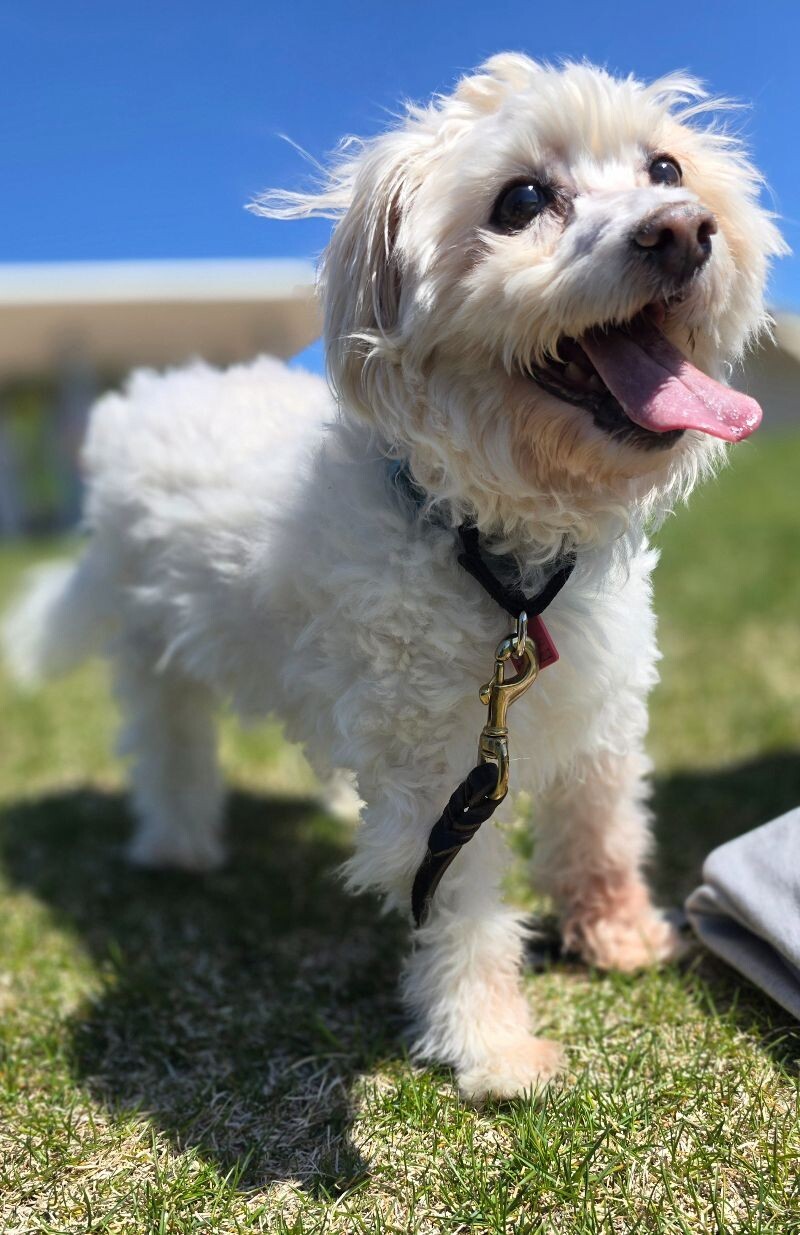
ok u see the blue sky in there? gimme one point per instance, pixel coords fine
(135, 130)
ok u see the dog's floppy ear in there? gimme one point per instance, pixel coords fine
(368, 192)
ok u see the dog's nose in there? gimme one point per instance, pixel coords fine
(677, 237)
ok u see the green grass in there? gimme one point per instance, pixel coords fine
(224, 1054)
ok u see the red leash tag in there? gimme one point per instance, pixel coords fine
(546, 650)
(542, 640)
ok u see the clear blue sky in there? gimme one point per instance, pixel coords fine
(141, 130)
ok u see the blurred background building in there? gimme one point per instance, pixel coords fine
(69, 331)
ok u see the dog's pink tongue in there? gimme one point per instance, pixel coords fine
(660, 390)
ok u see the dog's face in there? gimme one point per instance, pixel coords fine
(491, 250)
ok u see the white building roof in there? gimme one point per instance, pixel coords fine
(115, 315)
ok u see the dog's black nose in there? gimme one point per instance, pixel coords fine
(677, 237)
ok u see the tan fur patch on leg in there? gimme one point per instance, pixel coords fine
(593, 845)
(616, 927)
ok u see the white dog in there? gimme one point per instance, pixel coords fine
(518, 275)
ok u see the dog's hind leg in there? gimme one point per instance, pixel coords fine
(169, 735)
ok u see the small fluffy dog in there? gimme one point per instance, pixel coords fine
(532, 293)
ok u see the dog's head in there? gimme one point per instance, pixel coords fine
(530, 279)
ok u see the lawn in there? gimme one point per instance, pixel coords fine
(225, 1053)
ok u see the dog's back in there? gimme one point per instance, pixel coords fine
(181, 470)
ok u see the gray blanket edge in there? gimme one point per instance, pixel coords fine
(747, 910)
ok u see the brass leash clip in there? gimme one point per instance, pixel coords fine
(499, 693)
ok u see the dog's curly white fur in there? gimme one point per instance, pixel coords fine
(247, 544)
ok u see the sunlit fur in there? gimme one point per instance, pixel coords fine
(247, 542)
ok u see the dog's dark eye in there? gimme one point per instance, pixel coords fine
(664, 170)
(518, 205)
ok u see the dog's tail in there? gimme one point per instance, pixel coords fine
(55, 623)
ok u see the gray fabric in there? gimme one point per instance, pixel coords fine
(747, 910)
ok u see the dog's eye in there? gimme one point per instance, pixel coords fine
(518, 205)
(664, 170)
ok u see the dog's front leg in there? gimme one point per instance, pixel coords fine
(463, 981)
(593, 839)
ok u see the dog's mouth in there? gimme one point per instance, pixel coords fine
(641, 388)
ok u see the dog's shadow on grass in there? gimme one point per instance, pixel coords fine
(237, 1009)
(698, 809)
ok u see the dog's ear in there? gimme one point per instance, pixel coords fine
(362, 270)
(368, 193)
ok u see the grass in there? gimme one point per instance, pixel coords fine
(224, 1054)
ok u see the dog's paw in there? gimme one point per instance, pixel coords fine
(522, 1068)
(173, 853)
(625, 943)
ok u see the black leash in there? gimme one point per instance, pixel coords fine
(468, 808)
(472, 803)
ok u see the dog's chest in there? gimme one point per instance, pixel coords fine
(401, 628)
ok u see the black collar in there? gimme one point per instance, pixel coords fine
(504, 567)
